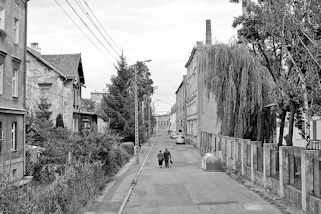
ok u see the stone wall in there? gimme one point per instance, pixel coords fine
(294, 176)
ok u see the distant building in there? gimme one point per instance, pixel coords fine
(172, 120)
(102, 125)
(192, 111)
(59, 79)
(181, 107)
(13, 20)
(162, 123)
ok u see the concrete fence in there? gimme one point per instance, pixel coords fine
(291, 172)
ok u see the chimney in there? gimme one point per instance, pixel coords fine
(35, 46)
(208, 32)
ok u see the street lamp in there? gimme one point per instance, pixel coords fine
(136, 111)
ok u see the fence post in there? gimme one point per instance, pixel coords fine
(283, 168)
(307, 157)
(242, 157)
(266, 163)
(235, 151)
(316, 176)
(281, 172)
(252, 161)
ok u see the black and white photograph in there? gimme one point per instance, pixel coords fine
(160, 107)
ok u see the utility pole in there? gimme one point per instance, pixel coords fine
(136, 113)
(149, 117)
(136, 117)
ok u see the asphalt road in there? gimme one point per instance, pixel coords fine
(186, 188)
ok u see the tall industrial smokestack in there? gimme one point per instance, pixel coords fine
(208, 32)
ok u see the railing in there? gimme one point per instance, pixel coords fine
(314, 145)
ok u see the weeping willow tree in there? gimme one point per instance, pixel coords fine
(240, 86)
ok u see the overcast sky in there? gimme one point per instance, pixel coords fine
(162, 30)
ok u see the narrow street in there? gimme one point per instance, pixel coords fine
(186, 188)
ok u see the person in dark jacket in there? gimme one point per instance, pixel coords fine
(167, 158)
(160, 157)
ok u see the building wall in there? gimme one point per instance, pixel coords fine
(96, 97)
(172, 127)
(12, 108)
(162, 123)
(13, 51)
(208, 117)
(68, 105)
(12, 162)
(181, 108)
(192, 115)
(38, 73)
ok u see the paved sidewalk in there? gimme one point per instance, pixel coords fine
(115, 191)
(185, 188)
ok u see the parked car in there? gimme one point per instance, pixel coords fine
(180, 139)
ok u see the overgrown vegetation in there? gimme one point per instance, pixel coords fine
(241, 87)
(70, 171)
(118, 104)
(286, 36)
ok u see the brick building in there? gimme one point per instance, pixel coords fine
(13, 25)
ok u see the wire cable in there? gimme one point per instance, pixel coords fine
(77, 25)
(85, 12)
(89, 29)
(101, 25)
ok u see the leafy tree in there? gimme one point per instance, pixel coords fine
(38, 125)
(285, 35)
(118, 106)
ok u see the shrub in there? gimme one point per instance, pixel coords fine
(128, 147)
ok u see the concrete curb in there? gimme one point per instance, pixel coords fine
(134, 182)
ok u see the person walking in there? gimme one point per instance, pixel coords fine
(167, 158)
(160, 157)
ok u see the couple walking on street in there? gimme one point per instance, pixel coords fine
(164, 156)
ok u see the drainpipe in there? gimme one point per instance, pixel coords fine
(25, 87)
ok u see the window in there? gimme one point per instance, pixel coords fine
(2, 18)
(15, 80)
(14, 136)
(1, 137)
(44, 90)
(16, 31)
(14, 173)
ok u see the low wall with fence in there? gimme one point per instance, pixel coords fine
(291, 172)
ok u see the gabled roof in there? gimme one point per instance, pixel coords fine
(45, 62)
(69, 64)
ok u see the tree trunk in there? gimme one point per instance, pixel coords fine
(289, 141)
(282, 117)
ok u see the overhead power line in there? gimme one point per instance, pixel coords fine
(101, 25)
(86, 13)
(89, 29)
(77, 25)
